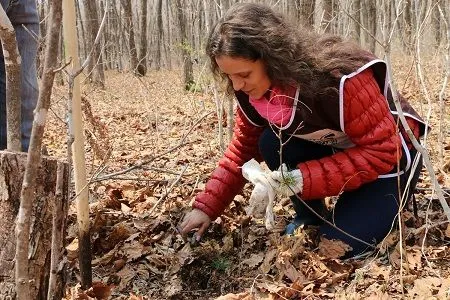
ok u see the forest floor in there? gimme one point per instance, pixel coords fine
(151, 147)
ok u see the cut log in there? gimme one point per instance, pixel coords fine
(12, 168)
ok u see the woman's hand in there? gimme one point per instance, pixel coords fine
(195, 219)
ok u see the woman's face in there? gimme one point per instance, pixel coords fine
(246, 75)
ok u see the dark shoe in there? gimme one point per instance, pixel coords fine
(304, 215)
(301, 221)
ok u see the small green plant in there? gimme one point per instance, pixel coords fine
(220, 264)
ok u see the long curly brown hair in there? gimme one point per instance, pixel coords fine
(292, 54)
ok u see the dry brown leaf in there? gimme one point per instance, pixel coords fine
(240, 296)
(99, 290)
(379, 296)
(254, 259)
(292, 273)
(447, 231)
(118, 264)
(120, 232)
(268, 259)
(414, 258)
(132, 250)
(378, 272)
(228, 243)
(72, 250)
(331, 249)
(125, 275)
(173, 287)
(106, 258)
(135, 297)
(427, 287)
(124, 208)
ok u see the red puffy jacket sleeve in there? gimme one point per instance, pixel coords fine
(370, 126)
(227, 181)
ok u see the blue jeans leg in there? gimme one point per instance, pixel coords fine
(370, 212)
(29, 86)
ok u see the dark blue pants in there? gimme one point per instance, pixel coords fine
(21, 13)
(367, 213)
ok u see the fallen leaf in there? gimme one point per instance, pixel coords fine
(240, 296)
(133, 250)
(72, 250)
(254, 260)
(125, 275)
(99, 290)
(268, 259)
(331, 249)
(124, 208)
(173, 287)
(447, 231)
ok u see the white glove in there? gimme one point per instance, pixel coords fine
(287, 183)
(263, 195)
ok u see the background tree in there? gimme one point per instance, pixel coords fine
(95, 66)
(128, 17)
(188, 76)
(142, 64)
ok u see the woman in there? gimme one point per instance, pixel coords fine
(323, 107)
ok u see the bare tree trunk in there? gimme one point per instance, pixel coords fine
(60, 208)
(95, 67)
(118, 34)
(30, 178)
(84, 44)
(327, 15)
(357, 17)
(12, 67)
(160, 36)
(444, 12)
(126, 5)
(436, 21)
(406, 29)
(142, 65)
(167, 49)
(188, 75)
(76, 145)
(370, 23)
(305, 11)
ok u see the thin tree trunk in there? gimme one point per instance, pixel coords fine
(188, 76)
(436, 21)
(95, 66)
(60, 207)
(77, 146)
(12, 67)
(407, 28)
(34, 155)
(369, 22)
(160, 36)
(167, 49)
(126, 5)
(142, 65)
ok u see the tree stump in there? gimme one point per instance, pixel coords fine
(12, 168)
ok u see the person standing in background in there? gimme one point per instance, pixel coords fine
(24, 17)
